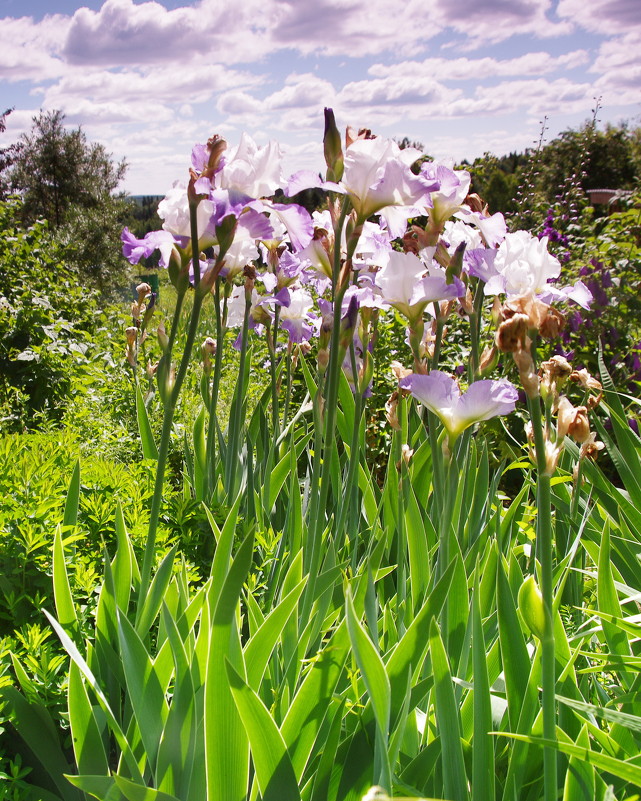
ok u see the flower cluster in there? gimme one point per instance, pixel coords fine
(392, 237)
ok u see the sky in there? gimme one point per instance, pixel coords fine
(462, 77)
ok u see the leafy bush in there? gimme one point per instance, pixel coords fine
(46, 321)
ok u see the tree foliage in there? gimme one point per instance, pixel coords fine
(72, 183)
(572, 163)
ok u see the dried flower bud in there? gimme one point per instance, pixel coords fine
(163, 339)
(352, 135)
(552, 453)
(555, 372)
(591, 447)
(135, 311)
(552, 324)
(476, 203)
(151, 369)
(529, 379)
(529, 305)
(406, 453)
(391, 410)
(143, 291)
(399, 371)
(586, 380)
(131, 334)
(207, 350)
(572, 421)
(497, 311)
(511, 333)
(216, 146)
(579, 429)
(444, 310)
(375, 793)
(559, 368)
(489, 359)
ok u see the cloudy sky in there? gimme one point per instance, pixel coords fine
(148, 79)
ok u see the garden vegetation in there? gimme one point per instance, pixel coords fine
(348, 505)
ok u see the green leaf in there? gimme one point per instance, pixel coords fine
(447, 719)
(35, 726)
(259, 648)
(377, 685)
(483, 745)
(274, 771)
(627, 771)
(418, 549)
(65, 607)
(322, 776)
(177, 750)
(371, 666)
(123, 563)
(70, 517)
(75, 655)
(515, 657)
(133, 791)
(149, 606)
(579, 779)
(608, 603)
(101, 787)
(145, 691)
(87, 740)
(200, 455)
(412, 648)
(226, 743)
(307, 711)
(149, 449)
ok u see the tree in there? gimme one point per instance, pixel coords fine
(7, 155)
(598, 159)
(72, 183)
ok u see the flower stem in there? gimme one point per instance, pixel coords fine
(213, 405)
(544, 557)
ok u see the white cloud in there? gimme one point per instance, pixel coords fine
(123, 32)
(465, 69)
(618, 67)
(602, 16)
(28, 49)
(236, 103)
(195, 83)
(302, 91)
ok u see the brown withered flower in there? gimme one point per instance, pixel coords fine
(527, 374)
(572, 421)
(399, 371)
(511, 333)
(554, 373)
(591, 447)
(552, 324)
(352, 135)
(476, 203)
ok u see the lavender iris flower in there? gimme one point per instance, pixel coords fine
(440, 393)
(134, 249)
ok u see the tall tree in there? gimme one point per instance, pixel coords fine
(72, 183)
